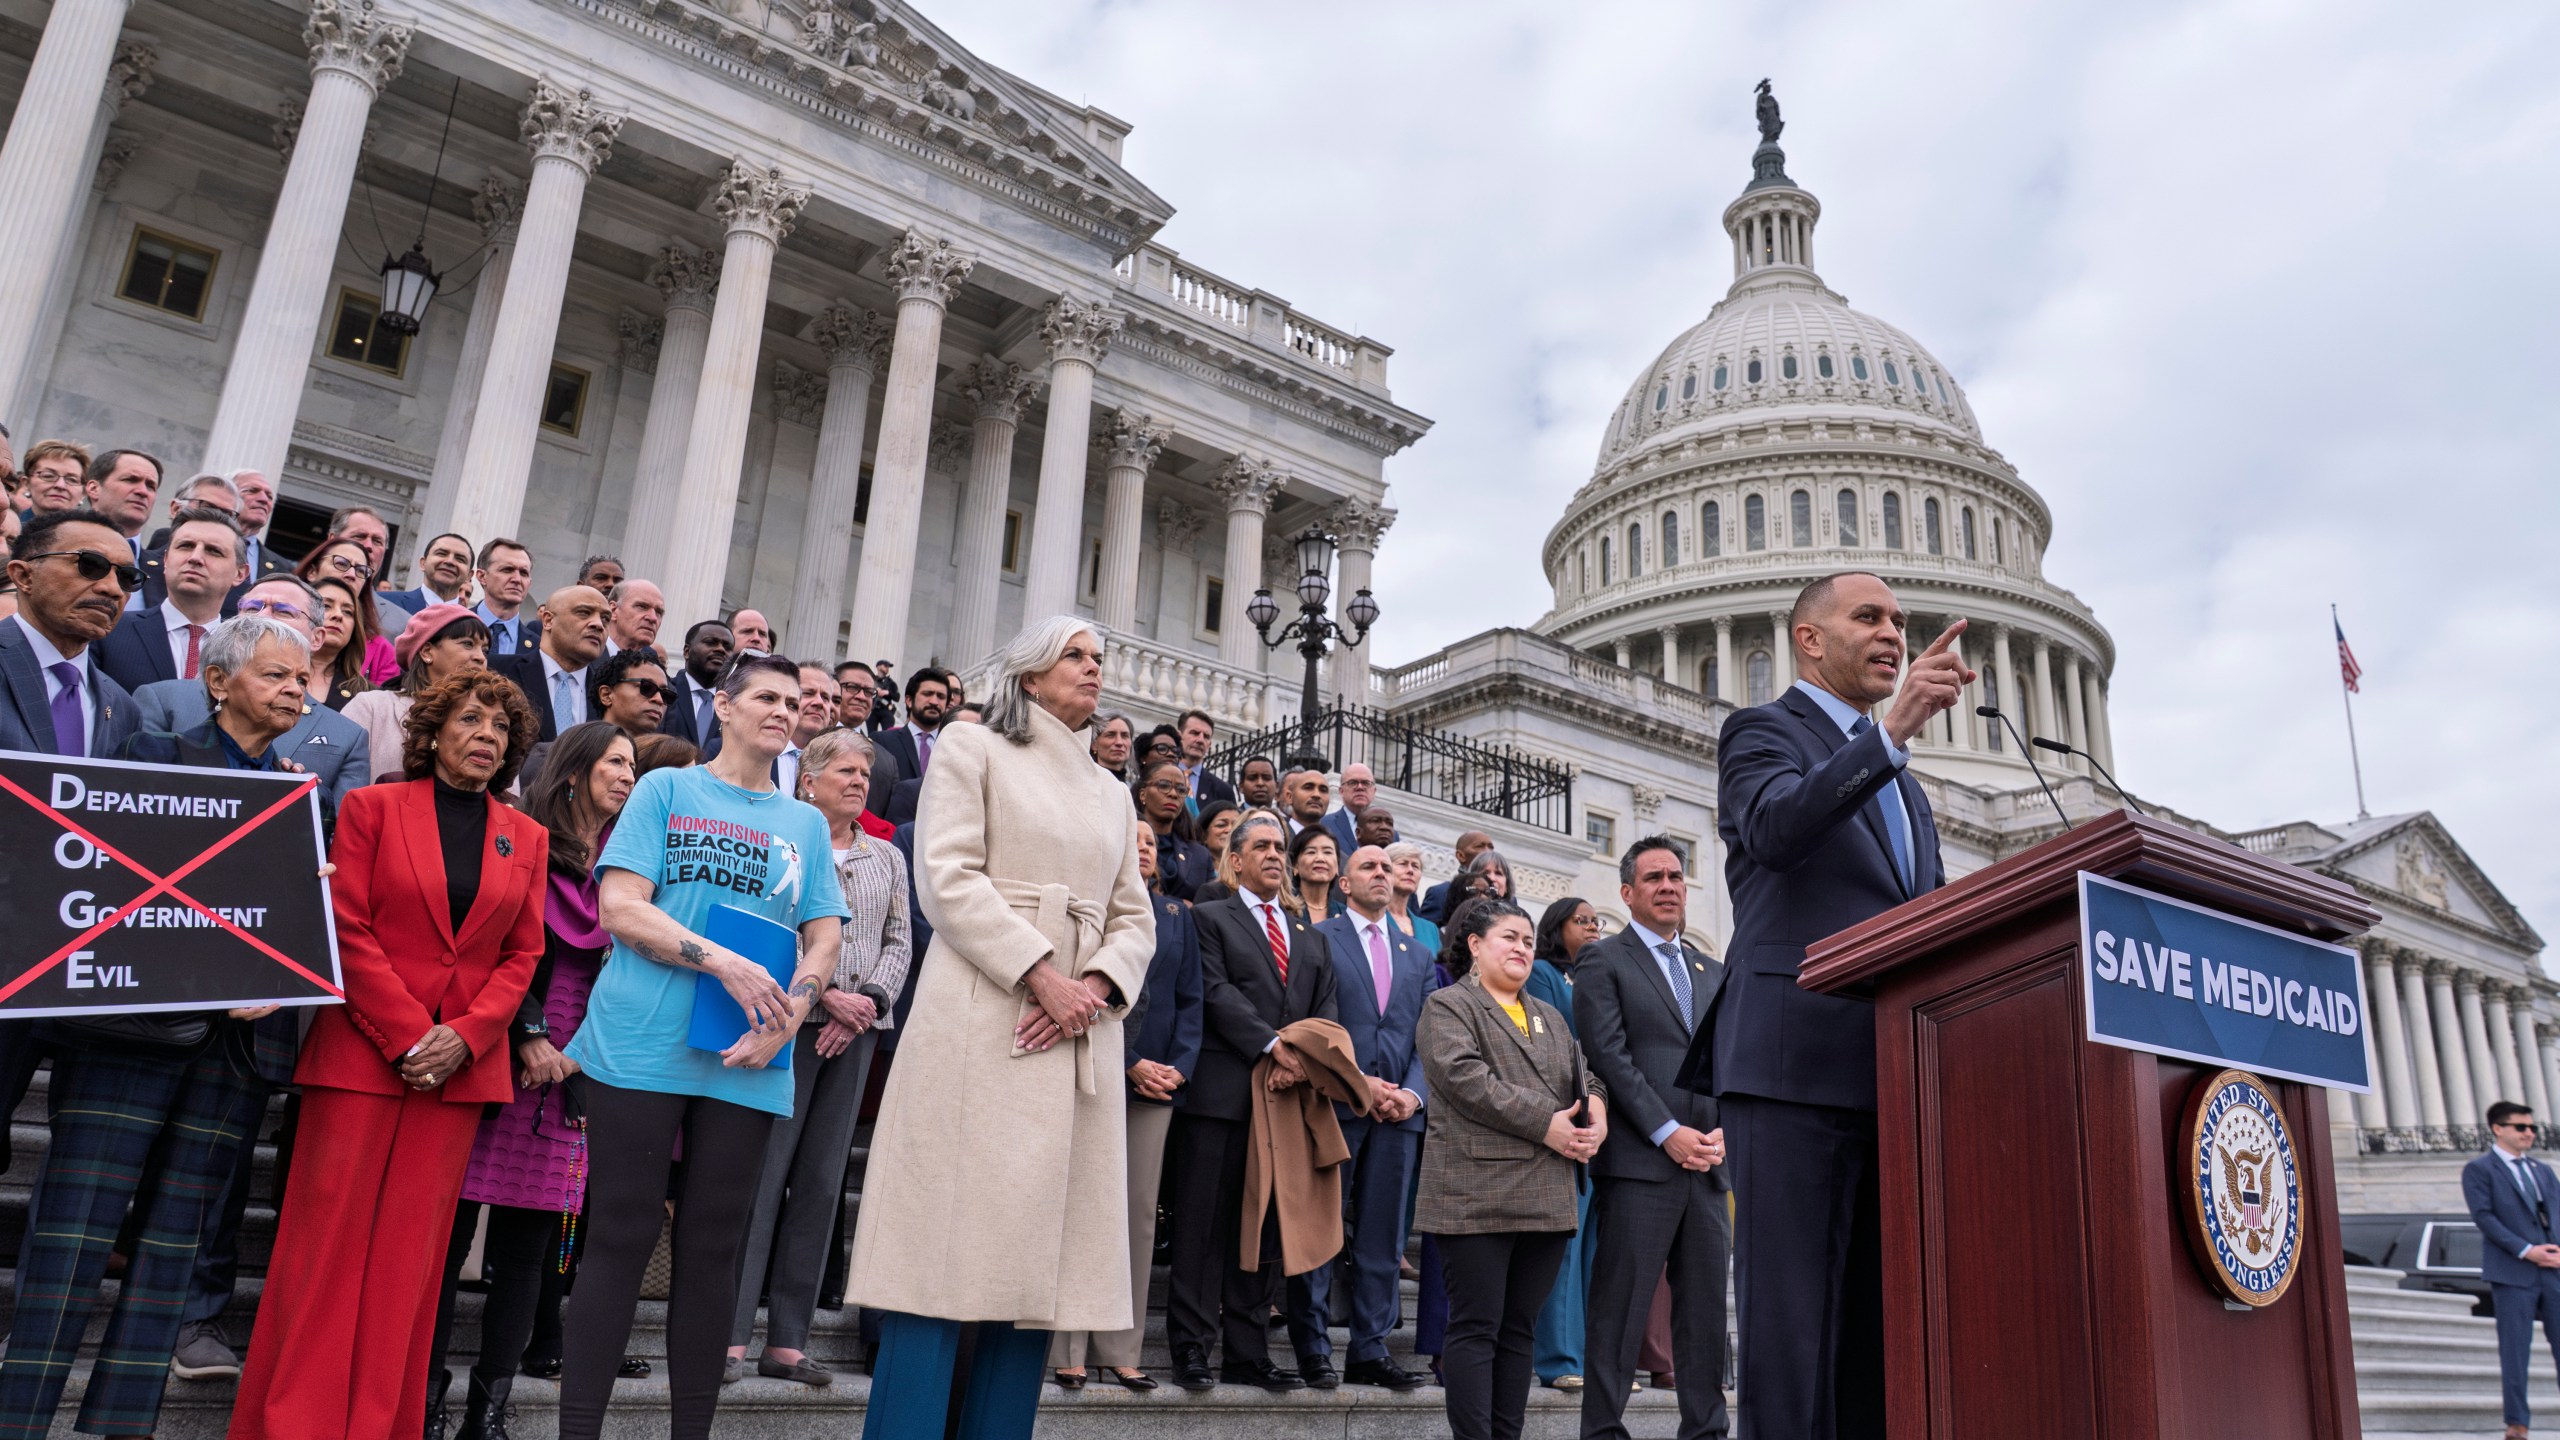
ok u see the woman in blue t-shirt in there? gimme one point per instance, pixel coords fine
(690, 843)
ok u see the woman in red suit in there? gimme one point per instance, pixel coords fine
(439, 904)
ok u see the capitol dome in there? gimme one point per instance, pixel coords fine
(1787, 436)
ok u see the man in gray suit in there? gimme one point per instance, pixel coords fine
(1638, 997)
(325, 743)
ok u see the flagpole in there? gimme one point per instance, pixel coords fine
(2354, 757)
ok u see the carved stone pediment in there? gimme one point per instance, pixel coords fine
(2420, 874)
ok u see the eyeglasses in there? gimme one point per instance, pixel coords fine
(284, 608)
(1170, 787)
(650, 689)
(95, 567)
(347, 566)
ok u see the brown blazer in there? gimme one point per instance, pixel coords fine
(1486, 1168)
(1296, 1152)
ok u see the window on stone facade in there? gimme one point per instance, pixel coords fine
(1601, 832)
(1707, 677)
(1758, 673)
(1787, 367)
(1711, 529)
(1582, 572)
(1999, 551)
(862, 512)
(1013, 544)
(1991, 697)
(1755, 523)
(1965, 531)
(1751, 372)
(1858, 367)
(1721, 377)
(1213, 601)
(1929, 527)
(1606, 574)
(167, 274)
(359, 335)
(1891, 375)
(1822, 365)
(1670, 538)
(1892, 520)
(564, 400)
(1942, 392)
(1846, 508)
(1093, 569)
(1635, 551)
(1662, 396)
(1800, 520)
(1689, 386)
(1688, 856)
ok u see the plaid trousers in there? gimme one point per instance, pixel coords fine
(185, 1123)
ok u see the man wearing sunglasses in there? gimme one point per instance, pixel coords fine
(2515, 1200)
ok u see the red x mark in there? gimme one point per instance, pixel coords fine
(161, 885)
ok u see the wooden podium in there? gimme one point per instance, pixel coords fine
(2038, 1280)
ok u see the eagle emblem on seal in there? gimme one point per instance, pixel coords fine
(2242, 1188)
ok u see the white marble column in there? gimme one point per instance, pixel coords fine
(497, 207)
(2422, 1044)
(997, 389)
(1248, 486)
(856, 343)
(2102, 740)
(1782, 654)
(2045, 722)
(1078, 333)
(1626, 653)
(1357, 527)
(927, 273)
(354, 54)
(1131, 442)
(2012, 704)
(46, 164)
(1671, 655)
(2479, 1062)
(758, 207)
(2461, 1105)
(2550, 1052)
(690, 281)
(2502, 1045)
(2371, 1112)
(127, 77)
(2398, 1078)
(2529, 1053)
(2078, 711)
(569, 136)
(1727, 688)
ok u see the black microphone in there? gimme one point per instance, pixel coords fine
(2059, 748)
(1992, 712)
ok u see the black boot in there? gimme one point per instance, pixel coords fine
(485, 1411)
(435, 1405)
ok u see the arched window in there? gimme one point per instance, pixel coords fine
(1751, 372)
(1999, 551)
(1670, 538)
(1858, 367)
(1662, 397)
(1755, 523)
(1759, 672)
(1711, 529)
(1942, 392)
(1604, 560)
(1721, 377)
(1707, 678)
(1800, 520)
(1787, 367)
(1929, 526)
(1892, 520)
(1991, 697)
(1689, 386)
(1846, 503)
(1967, 531)
(1635, 551)
(1822, 364)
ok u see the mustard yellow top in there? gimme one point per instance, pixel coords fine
(1519, 1016)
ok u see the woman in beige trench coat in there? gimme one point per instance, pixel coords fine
(997, 1186)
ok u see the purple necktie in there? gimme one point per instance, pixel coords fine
(1381, 974)
(924, 750)
(70, 737)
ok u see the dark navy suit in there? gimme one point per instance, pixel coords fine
(323, 742)
(1382, 1156)
(1808, 854)
(2510, 1221)
(679, 719)
(136, 652)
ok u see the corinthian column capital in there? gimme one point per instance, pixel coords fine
(1247, 485)
(1357, 524)
(566, 126)
(925, 269)
(758, 202)
(1076, 330)
(859, 338)
(686, 277)
(355, 40)
(1177, 526)
(1132, 439)
(997, 388)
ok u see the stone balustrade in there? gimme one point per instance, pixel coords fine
(1156, 681)
(1254, 315)
(1523, 652)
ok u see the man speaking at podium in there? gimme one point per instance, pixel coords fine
(1821, 829)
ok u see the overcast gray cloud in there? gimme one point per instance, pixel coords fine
(2258, 295)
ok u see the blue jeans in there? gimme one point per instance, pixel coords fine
(2519, 1306)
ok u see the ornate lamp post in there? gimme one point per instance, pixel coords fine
(1313, 629)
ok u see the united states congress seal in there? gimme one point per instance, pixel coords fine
(2241, 1183)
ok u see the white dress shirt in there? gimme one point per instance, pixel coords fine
(178, 622)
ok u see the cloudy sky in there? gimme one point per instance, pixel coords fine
(2260, 296)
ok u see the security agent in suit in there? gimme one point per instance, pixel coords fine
(708, 644)
(54, 700)
(1822, 829)
(1381, 1022)
(1248, 996)
(2515, 1200)
(1639, 997)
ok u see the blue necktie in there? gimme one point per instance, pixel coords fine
(1677, 967)
(1897, 822)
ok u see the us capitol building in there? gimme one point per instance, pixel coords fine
(799, 304)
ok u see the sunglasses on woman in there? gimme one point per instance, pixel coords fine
(95, 567)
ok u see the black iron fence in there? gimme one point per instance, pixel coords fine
(1437, 765)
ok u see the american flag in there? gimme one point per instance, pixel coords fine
(2348, 670)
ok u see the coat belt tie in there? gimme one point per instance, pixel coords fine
(1073, 929)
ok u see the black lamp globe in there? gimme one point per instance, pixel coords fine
(1363, 609)
(408, 287)
(1262, 610)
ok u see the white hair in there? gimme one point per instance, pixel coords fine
(231, 645)
(1038, 647)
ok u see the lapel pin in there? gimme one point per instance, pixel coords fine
(506, 847)
(1694, 965)
(1538, 1023)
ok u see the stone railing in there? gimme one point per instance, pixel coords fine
(1262, 318)
(1146, 678)
(1521, 652)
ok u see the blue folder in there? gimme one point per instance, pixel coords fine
(718, 1021)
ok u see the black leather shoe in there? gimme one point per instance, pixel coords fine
(1138, 1380)
(1263, 1373)
(1191, 1371)
(1319, 1372)
(541, 1369)
(1382, 1372)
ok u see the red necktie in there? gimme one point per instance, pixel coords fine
(1279, 940)
(195, 640)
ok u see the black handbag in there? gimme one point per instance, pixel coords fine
(168, 1034)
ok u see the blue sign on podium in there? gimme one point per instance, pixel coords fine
(2178, 979)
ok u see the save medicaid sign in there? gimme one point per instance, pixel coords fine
(2178, 979)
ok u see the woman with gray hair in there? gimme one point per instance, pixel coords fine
(997, 1188)
(176, 1093)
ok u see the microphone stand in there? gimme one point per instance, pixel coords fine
(2026, 752)
(2127, 795)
